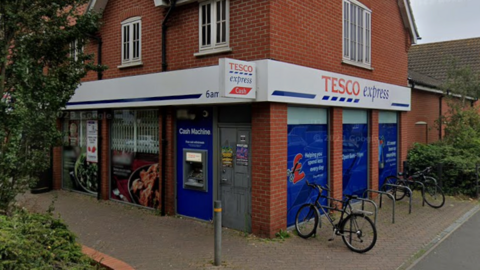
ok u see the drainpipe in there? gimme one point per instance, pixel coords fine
(164, 35)
(164, 111)
(99, 41)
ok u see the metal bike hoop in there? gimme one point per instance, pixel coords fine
(381, 196)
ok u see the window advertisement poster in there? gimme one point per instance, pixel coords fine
(79, 174)
(134, 158)
(307, 157)
(387, 146)
(92, 141)
(242, 154)
(355, 152)
(135, 178)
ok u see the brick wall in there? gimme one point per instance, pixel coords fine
(269, 165)
(249, 36)
(373, 151)
(105, 157)
(309, 33)
(336, 152)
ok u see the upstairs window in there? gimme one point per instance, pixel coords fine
(75, 49)
(132, 41)
(214, 25)
(357, 36)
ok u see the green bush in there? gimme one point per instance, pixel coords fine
(458, 165)
(39, 241)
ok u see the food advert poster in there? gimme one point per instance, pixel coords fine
(135, 178)
(78, 174)
(92, 141)
(73, 129)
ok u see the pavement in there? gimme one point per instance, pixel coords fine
(146, 240)
(458, 251)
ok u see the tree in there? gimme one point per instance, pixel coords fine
(38, 75)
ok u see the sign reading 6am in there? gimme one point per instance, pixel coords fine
(238, 78)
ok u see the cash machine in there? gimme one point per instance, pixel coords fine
(195, 165)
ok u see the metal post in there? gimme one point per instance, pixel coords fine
(217, 218)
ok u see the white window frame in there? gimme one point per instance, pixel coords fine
(130, 61)
(75, 50)
(213, 47)
(363, 57)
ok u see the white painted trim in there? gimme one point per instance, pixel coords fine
(427, 89)
(131, 22)
(357, 64)
(213, 24)
(213, 51)
(130, 64)
(164, 3)
(276, 82)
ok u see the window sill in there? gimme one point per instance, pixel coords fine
(353, 63)
(133, 64)
(213, 51)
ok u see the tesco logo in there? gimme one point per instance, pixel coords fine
(241, 67)
(341, 86)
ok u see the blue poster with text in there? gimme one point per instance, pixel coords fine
(387, 152)
(355, 159)
(307, 160)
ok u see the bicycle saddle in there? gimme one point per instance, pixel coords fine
(354, 197)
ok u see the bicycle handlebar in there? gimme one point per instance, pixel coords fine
(320, 187)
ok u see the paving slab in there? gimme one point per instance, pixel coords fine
(147, 241)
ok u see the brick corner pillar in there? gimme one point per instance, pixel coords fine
(373, 145)
(57, 163)
(403, 138)
(336, 152)
(269, 168)
(170, 163)
(105, 156)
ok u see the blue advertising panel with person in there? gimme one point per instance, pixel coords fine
(355, 152)
(387, 145)
(307, 156)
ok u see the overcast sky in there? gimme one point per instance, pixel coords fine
(441, 20)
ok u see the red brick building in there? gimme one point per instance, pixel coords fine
(318, 91)
(429, 65)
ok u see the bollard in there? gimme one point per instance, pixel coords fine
(217, 219)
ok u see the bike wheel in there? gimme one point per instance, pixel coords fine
(358, 233)
(433, 194)
(398, 193)
(306, 220)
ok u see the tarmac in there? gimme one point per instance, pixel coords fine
(148, 241)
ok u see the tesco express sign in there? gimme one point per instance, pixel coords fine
(238, 78)
(351, 87)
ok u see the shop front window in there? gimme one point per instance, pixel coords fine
(307, 156)
(80, 152)
(135, 149)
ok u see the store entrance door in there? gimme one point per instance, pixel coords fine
(235, 178)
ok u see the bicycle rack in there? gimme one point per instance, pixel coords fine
(423, 191)
(374, 206)
(381, 195)
(402, 187)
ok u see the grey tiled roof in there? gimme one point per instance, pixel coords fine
(428, 64)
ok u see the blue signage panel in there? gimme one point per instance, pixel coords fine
(355, 159)
(307, 160)
(195, 134)
(387, 151)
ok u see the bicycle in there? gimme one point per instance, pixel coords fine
(432, 194)
(357, 230)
